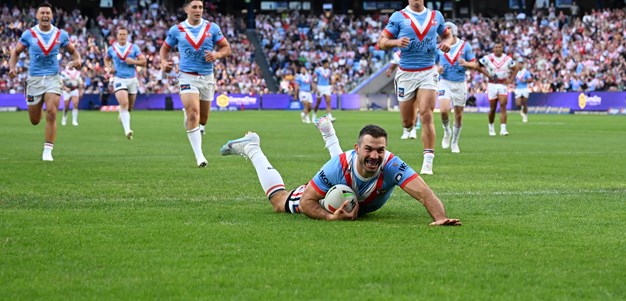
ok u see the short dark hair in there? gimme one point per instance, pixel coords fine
(372, 130)
(324, 61)
(189, 1)
(122, 28)
(44, 4)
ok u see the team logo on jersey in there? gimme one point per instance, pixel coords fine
(407, 22)
(400, 92)
(118, 85)
(398, 177)
(185, 87)
(33, 40)
(442, 92)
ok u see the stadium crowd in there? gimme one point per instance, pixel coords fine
(563, 52)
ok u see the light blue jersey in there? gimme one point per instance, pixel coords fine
(521, 79)
(422, 28)
(118, 54)
(192, 43)
(43, 48)
(372, 192)
(304, 81)
(452, 70)
(323, 76)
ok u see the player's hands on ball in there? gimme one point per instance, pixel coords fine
(342, 214)
(447, 222)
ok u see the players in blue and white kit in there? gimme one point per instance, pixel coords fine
(501, 69)
(371, 171)
(125, 56)
(196, 39)
(522, 92)
(323, 79)
(452, 86)
(414, 30)
(44, 43)
(303, 92)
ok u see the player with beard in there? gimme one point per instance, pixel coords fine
(43, 85)
(370, 169)
(196, 39)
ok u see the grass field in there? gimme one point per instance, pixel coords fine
(544, 213)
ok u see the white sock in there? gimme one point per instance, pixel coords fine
(270, 179)
(332, 144)
(456, 133)
(195, 138)
(201, 127)
(446, 125)
(491, 126)
(125, 117)
(75, 115)
(406, 130)
(503, 127)
(48, 147)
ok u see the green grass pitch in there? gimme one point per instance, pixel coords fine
(543, 211)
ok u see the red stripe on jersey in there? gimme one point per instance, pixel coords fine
(456, 57)
(429, 22)
(45, 50)
(346, 170)
(312, 183)
(411, 178)
(190, 40)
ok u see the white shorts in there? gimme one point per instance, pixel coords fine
(523, 92)
(324, 90)
(407, 82)
(68, 95)
(129, 84)
(37, 86)
(494, 90)
(454, 91)
(305, 97)
(198, 84)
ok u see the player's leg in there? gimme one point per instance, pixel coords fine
(52, 101)
(427, 99)
(74, 98)
(444, 108)
(66, 107)
(307, 109)
(492, 95)
(206, 87)
(524, 108)
(407, 115)
(418, 124)
(329, 110)
(191, 102)
(249, 146)
(205, 110)
(503, 100)
(331, 142)
(456, 130)
(122, 98)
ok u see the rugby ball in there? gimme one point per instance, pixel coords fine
(335, 197)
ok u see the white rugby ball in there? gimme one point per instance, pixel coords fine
(335, 197)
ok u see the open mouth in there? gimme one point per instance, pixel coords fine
(372, 163)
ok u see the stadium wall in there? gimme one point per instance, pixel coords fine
(560, 102)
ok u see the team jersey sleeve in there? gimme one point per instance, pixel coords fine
(441, 23)
(136, 53)
(328, 176)
(469, 53)
(483, 61)
(393, 27)
(399, 171)
(217, 33)
(64, 39)
(25, 38)
(172, 36)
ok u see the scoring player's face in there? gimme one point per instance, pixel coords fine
(122, 36)
(44, 15)
(416, 3)
(498, 49)
(370, 154)
(194, 11)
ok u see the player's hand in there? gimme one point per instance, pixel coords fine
(75, 65)
(12, 73)
(440, 69)
(402, 42)
(167, 66)
(388, 72)
(443, 46)
(447, 222)
(342, 214)
(129, 61)
(462, 62)
(210, 56)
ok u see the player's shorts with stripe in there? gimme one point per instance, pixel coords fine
(129, 84)
(37, 86)
(408, 82)
(522, 92)
(324, 90)
(305, 96)
(292, 205)
(454, 91)
(493, 90)
(199, 84)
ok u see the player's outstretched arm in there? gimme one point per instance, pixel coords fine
(310, 206)
(15, 53)
(418, 189)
